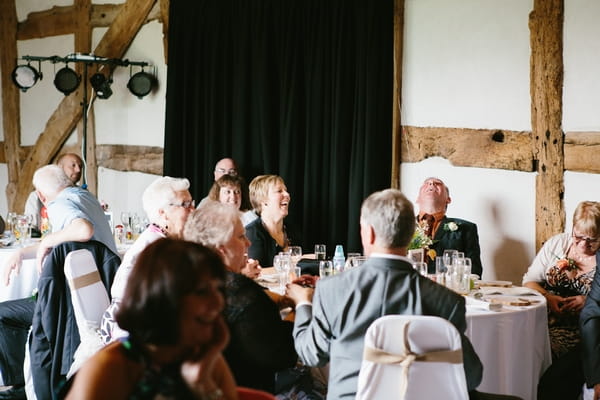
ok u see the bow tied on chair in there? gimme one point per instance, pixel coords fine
(408, 357)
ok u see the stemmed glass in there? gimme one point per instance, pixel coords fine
(126, 221)
(23, 222)
(295, 253)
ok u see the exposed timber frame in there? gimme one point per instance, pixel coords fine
(546, 150)
(124, 22)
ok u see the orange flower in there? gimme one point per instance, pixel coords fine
(431, 254)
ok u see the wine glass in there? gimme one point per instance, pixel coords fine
(126, 221)
(295, 254)
(23, 229)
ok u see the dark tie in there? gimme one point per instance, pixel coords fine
(429, 220)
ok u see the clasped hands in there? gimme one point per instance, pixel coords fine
(565, 305)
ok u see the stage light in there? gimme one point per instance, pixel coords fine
(141, 83)
(25, 76)
(101, 85)
(66, 80)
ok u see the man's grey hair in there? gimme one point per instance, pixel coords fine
(211, 224)
(160, 194)
(392, 217)
(50, 180)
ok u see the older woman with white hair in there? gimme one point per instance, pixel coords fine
(261, 343)
(167, 203)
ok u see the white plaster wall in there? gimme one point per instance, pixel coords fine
(121, 119)
(581, 93)
(466, 64)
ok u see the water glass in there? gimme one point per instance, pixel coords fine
(295, 253)
(22, 226)
(349, 260)
(358, 261)
(421, 267)
(325, 268)
(281, 262)
(320, 251)
(297, 272)
(440, 270)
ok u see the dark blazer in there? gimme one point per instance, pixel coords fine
(589, 321)
(464, 239)
(55, 336)
(344, 306)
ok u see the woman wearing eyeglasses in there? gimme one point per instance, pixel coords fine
(563, 272)
(167, 203)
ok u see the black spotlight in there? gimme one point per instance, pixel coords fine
(25, 76)
(101, 85)
(66, 80)
(141, 83)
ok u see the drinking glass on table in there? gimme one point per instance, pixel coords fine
(325, 268)
(23, 229)
(421, 267)
(440, 270)
(295, 254)
(280, 264)
(320, 251)
(350, 260)
(126, 221)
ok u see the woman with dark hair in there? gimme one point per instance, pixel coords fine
(172, 311)
(230, 189)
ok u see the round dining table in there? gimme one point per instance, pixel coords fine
(508, 327)
(21, 285)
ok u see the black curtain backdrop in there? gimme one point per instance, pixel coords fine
(297, 88)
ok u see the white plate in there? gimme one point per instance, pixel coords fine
(503, 284)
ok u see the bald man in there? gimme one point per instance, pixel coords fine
(225, 166)
(72, 164)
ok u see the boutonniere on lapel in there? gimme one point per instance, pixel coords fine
(451, 226)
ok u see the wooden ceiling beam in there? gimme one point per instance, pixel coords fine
(63, 20)
(113, 44)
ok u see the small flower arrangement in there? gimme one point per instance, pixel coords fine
(451, 226)
(566, 264)
(420, 240)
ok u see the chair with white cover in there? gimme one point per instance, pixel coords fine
(412, 357)
(90, 300)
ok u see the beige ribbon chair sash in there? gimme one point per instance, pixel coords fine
(84, 280)
(405, 360)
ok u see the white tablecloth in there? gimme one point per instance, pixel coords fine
(513, 345)
(21, 285)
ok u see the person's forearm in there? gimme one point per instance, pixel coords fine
(28, 252)
(79, 230)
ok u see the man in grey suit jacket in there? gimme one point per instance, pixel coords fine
(447, 233)
(330, 327)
